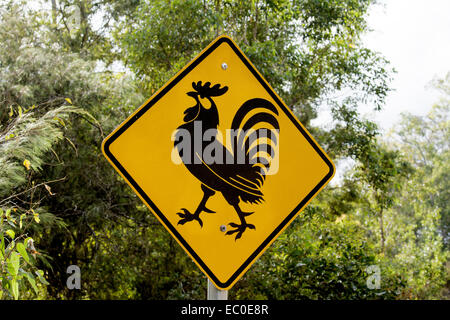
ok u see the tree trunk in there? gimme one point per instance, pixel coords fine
(255, 27)
(382, 231)
(54, 11)
(218, 14)
(84, 25)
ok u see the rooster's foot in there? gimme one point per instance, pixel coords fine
(187, 216)
(240, 228)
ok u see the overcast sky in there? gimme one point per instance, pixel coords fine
(414, 35)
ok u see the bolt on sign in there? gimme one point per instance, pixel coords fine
(220, 160)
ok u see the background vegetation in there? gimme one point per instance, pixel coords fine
(72, 70)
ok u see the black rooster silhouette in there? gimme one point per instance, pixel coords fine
(242, 172)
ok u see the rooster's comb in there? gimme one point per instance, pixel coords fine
(207, 91)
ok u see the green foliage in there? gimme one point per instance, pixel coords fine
(28, 132)
(166, 273)
(24, 141)
(425, 141)
(305, 49)
(71, 79)
(318, 259)
(18, 259)
(422, 220)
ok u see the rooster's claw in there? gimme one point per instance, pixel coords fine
(240, 228)
(187, 216)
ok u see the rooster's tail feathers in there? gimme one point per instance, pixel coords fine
(250, 105)
(256, 131)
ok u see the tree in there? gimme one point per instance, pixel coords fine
(38, 89)
(23, 142)
(425, 140)
(404, 190)
(307, 49)
(61, 91)
(422, 219)
(28, 130)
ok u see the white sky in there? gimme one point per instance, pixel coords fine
(414, 35)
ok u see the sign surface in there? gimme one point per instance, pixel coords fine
(220, 160)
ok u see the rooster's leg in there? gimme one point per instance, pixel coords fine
(240, 228)
(186, 216)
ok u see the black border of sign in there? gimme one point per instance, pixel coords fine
(169, 86)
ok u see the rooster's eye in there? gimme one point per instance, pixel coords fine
(205, 102)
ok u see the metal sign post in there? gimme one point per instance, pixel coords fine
(216, 294)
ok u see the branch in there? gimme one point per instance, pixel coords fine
(30, 189)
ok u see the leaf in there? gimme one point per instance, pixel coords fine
(12, 222)
(15, 289)
(69, 101)
(21, 219)
(36, 217)
(2, 244)
(40, 275)
(47, 187)
(45, 261)
(32, 281)
(11, 233)
(61, 121)
(13, 263)
(73, 145)
(29, 242)
(27, 164)
(23, 252)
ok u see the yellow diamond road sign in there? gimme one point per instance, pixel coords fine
(220, 160)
